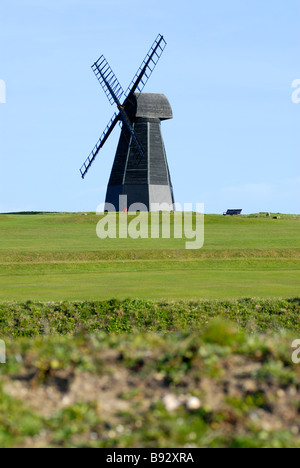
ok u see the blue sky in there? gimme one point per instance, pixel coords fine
(227, 71)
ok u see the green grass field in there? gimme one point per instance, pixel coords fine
(54, 257)
(200, 356)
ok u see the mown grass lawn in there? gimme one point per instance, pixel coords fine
(59, 257)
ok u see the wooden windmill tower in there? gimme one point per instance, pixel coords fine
(140, 169)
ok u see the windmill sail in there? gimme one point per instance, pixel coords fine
(145, 71)
(114, 92)
(86, 166)
(108, 80)
(127, 122)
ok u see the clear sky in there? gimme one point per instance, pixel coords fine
(227, 71)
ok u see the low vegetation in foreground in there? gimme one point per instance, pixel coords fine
(138, 373)
(137, 315)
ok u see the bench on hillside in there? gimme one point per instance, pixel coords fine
(232, 212)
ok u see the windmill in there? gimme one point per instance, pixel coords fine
(140, 169)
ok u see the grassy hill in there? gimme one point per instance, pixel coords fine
(195, 349)
(53, 257)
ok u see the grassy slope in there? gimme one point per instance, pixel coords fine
(59, 257)
(150, 374)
